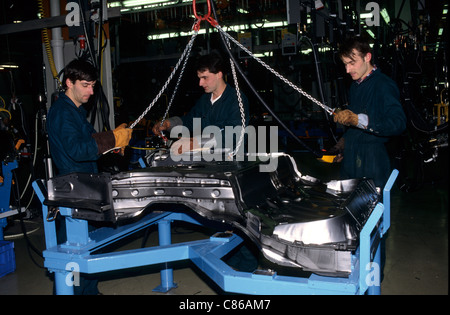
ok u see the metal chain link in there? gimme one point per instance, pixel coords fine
(308, 96)
(184, 54)
(178, 81)
(241, 107)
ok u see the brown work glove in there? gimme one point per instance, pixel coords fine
(346, 118)
(122, 136)
(157, 127)
(117, 138)
(184, 145)
(105, 141)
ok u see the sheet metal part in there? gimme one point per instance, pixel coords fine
(294, 219)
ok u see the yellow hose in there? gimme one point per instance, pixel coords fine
(48, 48)
(6, 111)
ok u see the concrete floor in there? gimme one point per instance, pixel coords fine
(416, 251)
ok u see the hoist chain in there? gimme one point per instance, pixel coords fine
(185, 57)
(178, 82)
(185, 54)
(241, 106)
(311, 98)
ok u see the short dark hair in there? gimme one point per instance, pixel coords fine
(358, 43)
(212, 62)
(79, 69)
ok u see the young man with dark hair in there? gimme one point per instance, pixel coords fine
(219, 106)
(75, 146)
(374, 114)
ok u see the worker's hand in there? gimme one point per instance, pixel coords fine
(337, 148)
(122, 136)
(184, 145)
(346, 118)
(157, 127)
(338, 158)
(336, 153)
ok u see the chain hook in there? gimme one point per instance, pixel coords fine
(206, 17)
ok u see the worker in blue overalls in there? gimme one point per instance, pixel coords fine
(374, 115)
(74, 144)
(219, 106)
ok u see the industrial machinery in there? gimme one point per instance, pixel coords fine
(294, 219)
(329, 229)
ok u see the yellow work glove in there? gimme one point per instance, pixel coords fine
(122, 136)
(346, 118)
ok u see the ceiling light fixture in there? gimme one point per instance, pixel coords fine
(385, 16)
(132, 3)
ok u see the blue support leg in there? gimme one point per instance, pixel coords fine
(164, 234)
(61, 286)
(375, 288)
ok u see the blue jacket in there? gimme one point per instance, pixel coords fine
(72, 147)
(365, 154)
(224, 112)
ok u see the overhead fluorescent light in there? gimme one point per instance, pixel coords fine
(366, 16)
(132, 3)
(7, 65)
(306, 51)
(385, 16)
(173, 34)
(114, 4)
(236, 28)
(370, 33)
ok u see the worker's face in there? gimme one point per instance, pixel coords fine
(209, 81)
(80, 91)
(357, 66)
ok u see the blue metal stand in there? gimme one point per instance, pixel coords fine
(164, 234)
(76, 255)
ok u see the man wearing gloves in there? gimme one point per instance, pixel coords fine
(374, 114)
(75, 146)
(219, 106)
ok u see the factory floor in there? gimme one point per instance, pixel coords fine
(416, 249)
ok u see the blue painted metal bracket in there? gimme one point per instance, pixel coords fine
(76, 255)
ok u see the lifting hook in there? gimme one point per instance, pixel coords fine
(206, 17)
